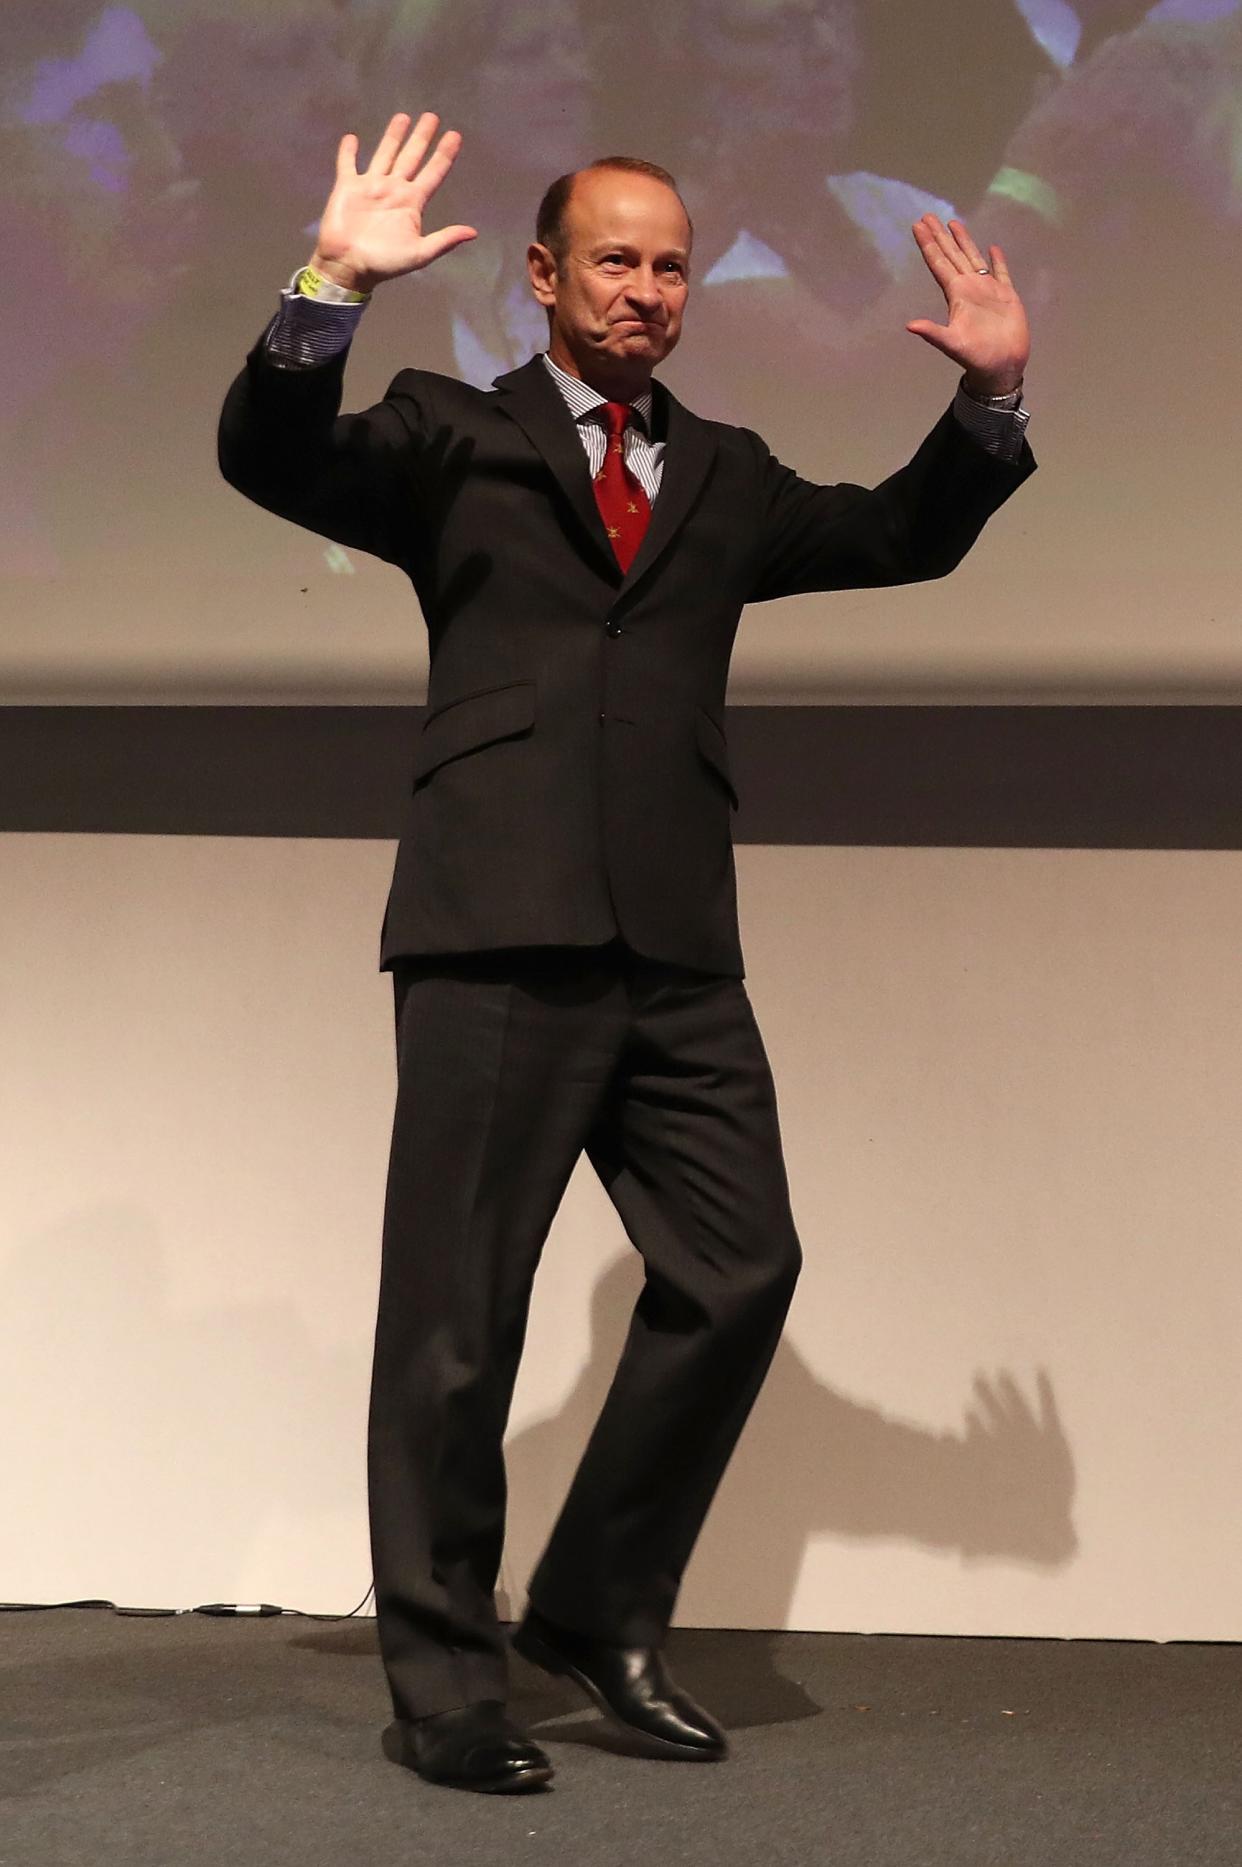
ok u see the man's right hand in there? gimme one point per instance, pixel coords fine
(372, 226)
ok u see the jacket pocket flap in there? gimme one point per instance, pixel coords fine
(474, 721)
(712, 746)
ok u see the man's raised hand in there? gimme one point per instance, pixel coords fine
(372, 226)
(987, 331)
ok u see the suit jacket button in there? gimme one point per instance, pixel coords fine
(613, 628)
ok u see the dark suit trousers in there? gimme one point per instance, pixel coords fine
(509, 1066)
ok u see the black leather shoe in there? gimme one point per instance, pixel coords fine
(471, 1747)
(630, 1684)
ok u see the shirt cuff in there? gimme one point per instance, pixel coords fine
(998, 425)
(307, 331)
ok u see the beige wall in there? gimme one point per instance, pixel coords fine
(1010, 1084)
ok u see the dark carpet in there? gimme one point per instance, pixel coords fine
(151, 1743)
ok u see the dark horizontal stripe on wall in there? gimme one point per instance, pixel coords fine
(1016, 777)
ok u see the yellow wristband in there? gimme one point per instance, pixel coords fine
(310, 282)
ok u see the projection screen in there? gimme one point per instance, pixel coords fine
(165, 162)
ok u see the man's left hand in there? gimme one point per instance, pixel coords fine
(987, 331)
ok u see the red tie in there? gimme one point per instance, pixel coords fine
(623, 505)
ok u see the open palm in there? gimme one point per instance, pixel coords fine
(987, 331)
(372, 226)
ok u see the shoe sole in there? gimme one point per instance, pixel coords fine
(515, 1785)
(512, 1783)
(532, 1648)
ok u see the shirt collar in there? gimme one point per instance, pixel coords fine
(582, 400)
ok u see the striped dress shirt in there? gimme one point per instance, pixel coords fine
(306, 331)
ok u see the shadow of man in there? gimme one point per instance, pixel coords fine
(812, 1462)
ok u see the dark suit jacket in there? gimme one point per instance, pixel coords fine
(572, 778)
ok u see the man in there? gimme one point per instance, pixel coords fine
(562, 925)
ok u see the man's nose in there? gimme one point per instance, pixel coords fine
(643, 289)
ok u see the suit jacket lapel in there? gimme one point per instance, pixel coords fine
(533, 400)
(689, 452)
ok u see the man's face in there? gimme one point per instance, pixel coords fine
(618, 291)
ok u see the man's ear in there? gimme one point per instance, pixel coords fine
(541, 270)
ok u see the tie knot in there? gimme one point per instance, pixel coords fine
(617, 418)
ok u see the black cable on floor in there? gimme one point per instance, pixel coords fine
(240, 1610)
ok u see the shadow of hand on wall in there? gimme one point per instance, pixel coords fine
(812, 1463)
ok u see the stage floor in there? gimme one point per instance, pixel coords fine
(153, 1743)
